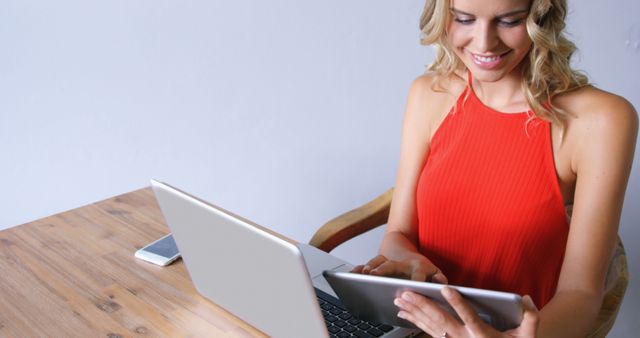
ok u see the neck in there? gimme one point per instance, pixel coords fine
(503, 95)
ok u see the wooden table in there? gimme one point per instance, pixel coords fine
(74, 275)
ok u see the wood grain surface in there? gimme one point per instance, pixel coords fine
(74, 274)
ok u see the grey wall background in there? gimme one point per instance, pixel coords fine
(287, 112)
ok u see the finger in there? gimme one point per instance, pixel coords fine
(373, 263)
(420, 273)
(439, 277)
(419, 276)
(413, 307)
(531, 318)
(388, 268)
(426, 272)
(357, 269)
(430, 314)
(463, 309)
(431, 274)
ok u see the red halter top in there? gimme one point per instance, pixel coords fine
(489, 206)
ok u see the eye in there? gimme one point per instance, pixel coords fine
(463, 21)
(509, 23)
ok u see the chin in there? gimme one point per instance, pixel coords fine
(493, 75)
(486, 76)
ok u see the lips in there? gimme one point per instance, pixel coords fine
(487, 61)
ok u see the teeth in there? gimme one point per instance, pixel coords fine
(486, 58)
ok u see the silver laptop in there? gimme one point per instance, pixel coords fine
(267, 281)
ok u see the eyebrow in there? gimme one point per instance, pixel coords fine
(517, 11)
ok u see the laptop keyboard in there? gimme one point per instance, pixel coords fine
(341, 324)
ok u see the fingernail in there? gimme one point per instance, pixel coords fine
(397, 302)
(402, 315)
(529, 301)
(407, 296)
(446, 292)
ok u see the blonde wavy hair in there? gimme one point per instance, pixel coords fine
(547, 71)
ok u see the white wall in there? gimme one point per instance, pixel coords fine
(287, 112)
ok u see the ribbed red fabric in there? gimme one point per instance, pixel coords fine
(489, 206)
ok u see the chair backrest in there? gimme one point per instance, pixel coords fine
(615, 287)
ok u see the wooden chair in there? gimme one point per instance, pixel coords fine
(376, 212)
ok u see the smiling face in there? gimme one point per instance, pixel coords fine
(490, 36)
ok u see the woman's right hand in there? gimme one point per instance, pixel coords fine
(418, 269)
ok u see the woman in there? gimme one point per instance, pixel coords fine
(500, 139)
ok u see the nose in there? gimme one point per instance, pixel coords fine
(486, 37)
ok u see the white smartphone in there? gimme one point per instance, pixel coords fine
(161, 252)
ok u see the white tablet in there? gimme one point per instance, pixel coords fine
(371, 298)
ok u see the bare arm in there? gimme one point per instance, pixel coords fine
(425, 109)
(602, 163)
(401, 236)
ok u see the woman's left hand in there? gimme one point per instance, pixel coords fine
(435, 321)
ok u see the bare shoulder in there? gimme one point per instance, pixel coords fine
(433, 87)
(430, 98)
(600, 123)
(591, 107)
